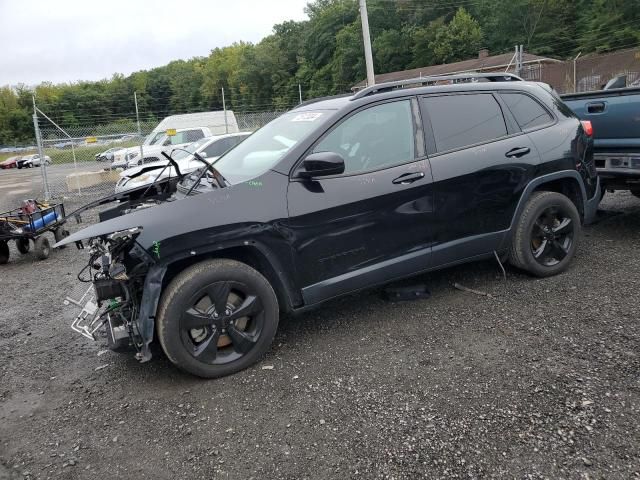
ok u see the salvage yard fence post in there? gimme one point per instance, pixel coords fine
(43, 166)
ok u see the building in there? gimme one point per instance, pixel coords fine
(532, 66)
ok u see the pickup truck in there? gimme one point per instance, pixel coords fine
(614, 114)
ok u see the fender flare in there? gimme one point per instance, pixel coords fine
(535, 183)
(152, 289)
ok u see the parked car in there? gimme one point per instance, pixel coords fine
(613, 112)
(10, 162)
(210, 148)
(30, 161)
(339, 195)
(107, 155)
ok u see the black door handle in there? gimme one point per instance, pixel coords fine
(595, 107)
(406, 178)
(517, 152)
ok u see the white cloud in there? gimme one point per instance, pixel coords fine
(70, 40)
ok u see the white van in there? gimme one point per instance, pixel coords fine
(209, 123)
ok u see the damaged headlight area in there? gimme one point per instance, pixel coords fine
(116, 269)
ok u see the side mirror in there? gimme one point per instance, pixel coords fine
(322, 164)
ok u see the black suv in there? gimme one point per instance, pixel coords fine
(339, 195)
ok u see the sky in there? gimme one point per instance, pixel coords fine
(70, 40)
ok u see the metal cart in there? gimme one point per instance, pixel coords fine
(29, 223)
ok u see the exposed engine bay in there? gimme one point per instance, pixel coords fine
(116, 269)
(125, 277)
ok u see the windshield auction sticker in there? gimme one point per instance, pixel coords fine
(306, 117)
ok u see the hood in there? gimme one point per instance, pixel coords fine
(186, 165)
(130, 172)
(258, 200)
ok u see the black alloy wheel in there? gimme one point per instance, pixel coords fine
(217, 317)
(552, 237)
(222, 322)
(546, 234)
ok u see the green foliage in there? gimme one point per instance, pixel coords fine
(324, 54)
(459, 39)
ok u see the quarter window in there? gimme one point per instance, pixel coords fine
(527, 112)
(375, 138)
(462, 120)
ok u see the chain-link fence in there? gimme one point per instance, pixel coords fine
(586, 73)
(85, 160)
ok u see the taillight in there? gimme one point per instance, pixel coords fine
(588, 128)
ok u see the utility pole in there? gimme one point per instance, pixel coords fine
(521, 58)
(368, 56)
(517, 59)
(135, 100)
(300, 92)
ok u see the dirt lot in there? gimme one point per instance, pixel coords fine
(539, 380)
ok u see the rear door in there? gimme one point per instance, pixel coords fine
(372, 223)
(481, 162)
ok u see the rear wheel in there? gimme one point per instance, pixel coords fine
(4, 252)
(546, 235)
(41, 248)
(217, 317)
(60, 234)
(23, 245)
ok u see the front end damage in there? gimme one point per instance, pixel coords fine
(123, 296)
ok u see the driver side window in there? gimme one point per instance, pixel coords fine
(378, 137)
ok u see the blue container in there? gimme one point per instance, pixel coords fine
(42, 222)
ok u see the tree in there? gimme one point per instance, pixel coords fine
(392, 50)
(457, 40)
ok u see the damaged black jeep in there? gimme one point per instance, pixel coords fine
(335, 196)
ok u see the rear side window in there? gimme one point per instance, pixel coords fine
(527, 112)
(462, 120)
(218, 147)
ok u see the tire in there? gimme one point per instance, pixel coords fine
(546, 235)
(60, 234)
(4, 252)
(228, 342)
(41, 248)
(23, 245)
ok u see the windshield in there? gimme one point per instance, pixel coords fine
(153, 138)
(189, 149)
(266, 147)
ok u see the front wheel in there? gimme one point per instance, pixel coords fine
(217, 317)
(41, 248)
(4, 252)
(23, 246)
(546, 234)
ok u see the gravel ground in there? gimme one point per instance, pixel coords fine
(540, 379)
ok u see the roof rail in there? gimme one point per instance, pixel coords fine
(382, 87)
(320, 99)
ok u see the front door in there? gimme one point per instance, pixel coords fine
(372, 223)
